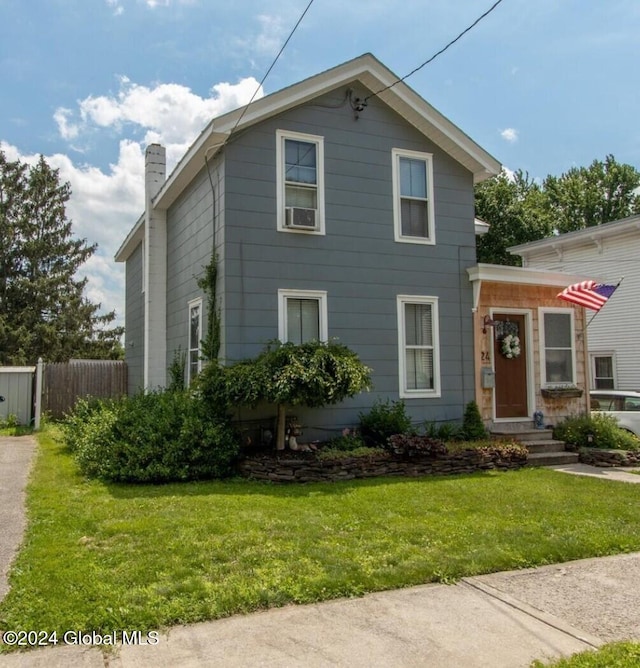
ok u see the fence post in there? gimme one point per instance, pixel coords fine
(39, 389)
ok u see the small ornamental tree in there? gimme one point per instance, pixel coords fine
(312, 374)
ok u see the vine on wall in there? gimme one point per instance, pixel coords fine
(210, 345)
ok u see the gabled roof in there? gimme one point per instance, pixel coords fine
(589, 235)
(373, 75)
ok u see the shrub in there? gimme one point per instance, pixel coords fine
(595, 431)
(154, 437)
(409, 445)
(446, 431)
(472, 424)
(349, 440)
(384, 420)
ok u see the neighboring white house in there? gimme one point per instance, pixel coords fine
(606, 253)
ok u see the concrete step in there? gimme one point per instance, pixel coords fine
(544, 446)
(552, 458)
(523, 435)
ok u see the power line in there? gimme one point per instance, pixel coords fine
(295, 27)
(435, 55)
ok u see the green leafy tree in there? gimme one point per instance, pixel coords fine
(514, 208)
(43, 311)
(312, 374)
(587, 196)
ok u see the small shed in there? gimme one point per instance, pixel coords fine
(16, 388)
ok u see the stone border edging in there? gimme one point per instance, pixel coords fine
(608, 458)
(288, 469)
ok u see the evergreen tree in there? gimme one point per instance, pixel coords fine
(43, 311)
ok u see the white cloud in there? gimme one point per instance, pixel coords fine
(118, 9)
(106, 202)
(510, 135)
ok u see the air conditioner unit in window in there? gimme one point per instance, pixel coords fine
(301, 219)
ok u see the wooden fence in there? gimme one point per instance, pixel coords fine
(65, 383)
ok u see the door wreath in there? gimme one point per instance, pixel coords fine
(511, 346)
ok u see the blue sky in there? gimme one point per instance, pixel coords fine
(543, 86)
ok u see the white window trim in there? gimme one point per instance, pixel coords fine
(190, 305)
(405, 393)
(592, 366)
(319, 295)
(396, 154)
(281, 136)
(543, 361)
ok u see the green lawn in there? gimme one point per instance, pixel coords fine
(104, 556)
(613, 655)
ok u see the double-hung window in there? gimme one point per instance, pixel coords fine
(603, 371)
(300, 182)
(413, 209)
(195, 335)
(302, 316)
(418, 347)
(557, 346)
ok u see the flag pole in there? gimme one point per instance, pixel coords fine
(598, 311)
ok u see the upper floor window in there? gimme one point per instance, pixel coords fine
(302, 316)
(300, 182)
(419, 354)
(413, 209)
(195, 335)
(557, 346)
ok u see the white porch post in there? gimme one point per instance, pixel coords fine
(155, 248)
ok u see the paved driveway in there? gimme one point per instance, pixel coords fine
(16, 456)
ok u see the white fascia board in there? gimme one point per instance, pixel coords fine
(135, 236)
(375, 76)
(585, 236)
(498, 273)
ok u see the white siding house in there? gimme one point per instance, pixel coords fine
(607, 253)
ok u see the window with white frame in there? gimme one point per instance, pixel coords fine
(195, 336)
(603, 371)
(413, 209)
(302, 316)
(558, 346)
(419, 354)
(300, 182)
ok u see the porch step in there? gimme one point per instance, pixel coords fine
(543, 449)
(523, 435)
(552, 458)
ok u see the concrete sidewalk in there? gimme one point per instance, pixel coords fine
(500, 620)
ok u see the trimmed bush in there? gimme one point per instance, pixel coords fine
(384, 420)
(472, 424)
(151, 438)
(595, 431)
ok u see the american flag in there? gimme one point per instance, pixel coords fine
(588, 293)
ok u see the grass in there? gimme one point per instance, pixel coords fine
(613, 655)
(101, 557)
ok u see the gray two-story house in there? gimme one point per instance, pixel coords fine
(341, 206)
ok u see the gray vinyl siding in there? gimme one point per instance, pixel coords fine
(357, 262)
(190, 239)
(134, 319)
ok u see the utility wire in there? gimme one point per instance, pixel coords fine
(435, 55)
(295, 27)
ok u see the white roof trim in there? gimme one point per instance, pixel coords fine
(135, 236)
(498, 273)
(593, 234)
(373, 74)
